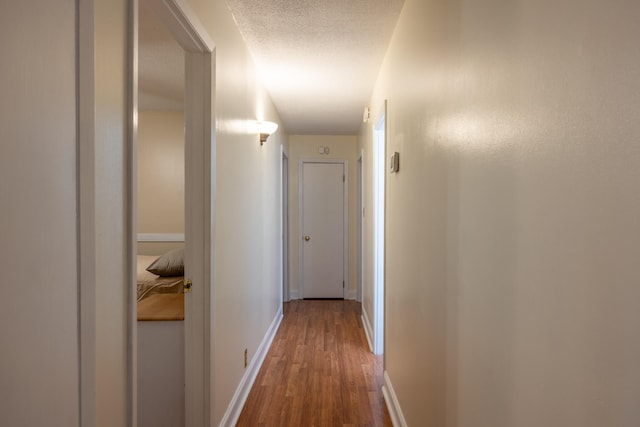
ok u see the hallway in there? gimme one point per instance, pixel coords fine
(319, 371)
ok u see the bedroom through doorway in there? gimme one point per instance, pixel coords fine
(170, 178)
(160, 223)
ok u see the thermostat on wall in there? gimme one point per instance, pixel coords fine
(395, 162)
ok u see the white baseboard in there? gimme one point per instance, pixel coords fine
(240, 397)
(395, 412)
(368, 330)
(349, 295)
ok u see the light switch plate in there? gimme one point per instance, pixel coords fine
(394, 163)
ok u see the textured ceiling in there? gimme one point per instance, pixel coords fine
(319, 58)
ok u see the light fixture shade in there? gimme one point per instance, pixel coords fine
(265, 129)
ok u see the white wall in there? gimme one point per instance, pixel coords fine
(160, 178)
(39, 308)
(513, 283)
(160, 188)
(247, 262)
(48, 374)
(40, 314)
(306, 147)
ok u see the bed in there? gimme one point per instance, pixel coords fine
(168, 281)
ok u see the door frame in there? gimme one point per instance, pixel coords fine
(360, 223)
(285, 224)
(182, 22)
(379, 227)
(345, 216)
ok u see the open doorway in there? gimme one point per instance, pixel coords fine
(285, 226)
(360, 224)
(170, 103)
(379, 177)
(160, 223)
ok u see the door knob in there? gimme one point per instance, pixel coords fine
(187, 285)
(307, 238)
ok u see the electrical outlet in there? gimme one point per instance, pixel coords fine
(245, 357)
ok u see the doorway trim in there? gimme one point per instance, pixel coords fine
(379, 227)
(199, 49)
(360, 224)
(285, 224)
(345, 216)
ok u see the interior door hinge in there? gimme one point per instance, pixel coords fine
(343, 180)
(343, 284)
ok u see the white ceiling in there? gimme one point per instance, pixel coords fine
(160, 65)
(319, 58)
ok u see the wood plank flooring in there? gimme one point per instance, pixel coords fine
(318, 372)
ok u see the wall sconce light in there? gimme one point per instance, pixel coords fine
(265, 129)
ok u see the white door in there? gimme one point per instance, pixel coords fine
(323, 229)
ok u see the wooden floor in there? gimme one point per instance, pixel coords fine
(318, 372)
